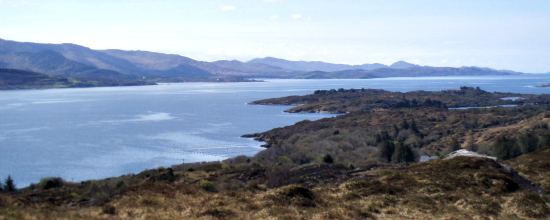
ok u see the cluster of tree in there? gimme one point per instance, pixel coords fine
(8, 185)
(414, 103)
(396, 152)
(341, 90)
(509, 147)
(410, 128)
(392, 147)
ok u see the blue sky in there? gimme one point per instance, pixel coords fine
(503, 34)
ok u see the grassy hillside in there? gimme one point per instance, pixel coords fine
(460, 188)
(535, 166)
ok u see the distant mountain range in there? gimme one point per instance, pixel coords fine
(120, 67)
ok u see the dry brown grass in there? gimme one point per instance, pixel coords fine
(462, 188)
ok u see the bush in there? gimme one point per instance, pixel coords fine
(328, 159)
(505, 148)
(295, 195)
(110, 210)
(51, 183)
(454, 145)
(207, 186)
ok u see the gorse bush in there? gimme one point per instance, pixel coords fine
(51, 182)
(207, 186)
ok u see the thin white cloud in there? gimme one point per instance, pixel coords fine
(274, 17)
(227, 8)
(297, 16)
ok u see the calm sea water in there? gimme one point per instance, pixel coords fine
(92, 133)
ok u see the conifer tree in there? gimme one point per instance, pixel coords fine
(402, 154)
(9, 185)
(386, 150)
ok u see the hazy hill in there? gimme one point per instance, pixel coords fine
(417, 71)
(70, 60)
(76, 53)
(235, 67)
(402, 65)
(300, 65)
(308, 66)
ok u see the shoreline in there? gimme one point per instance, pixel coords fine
(115, 86)
(261, 144)
(267, 79)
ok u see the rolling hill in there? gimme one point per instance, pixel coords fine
(140, 67)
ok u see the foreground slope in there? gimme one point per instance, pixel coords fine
(459, 188)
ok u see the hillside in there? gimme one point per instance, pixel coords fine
(462, 188)
(310, 66)
(415, 71)
(21, 79)
(420, 122)
(71, 60)
(18, 79)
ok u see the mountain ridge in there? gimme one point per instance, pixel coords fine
(72, 60)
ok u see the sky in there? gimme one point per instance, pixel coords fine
(502, 34)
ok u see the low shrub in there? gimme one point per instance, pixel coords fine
(207, 186)
(296, 195)
(51, 183)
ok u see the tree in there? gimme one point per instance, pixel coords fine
(9, 186)
(395, 131)
(404, 124)
(382, 137)
(505, 148)
(543, 141)
(386, 150)
(328, 159)
(527, 143)
(414, 127)
(402, 154)
(454, 145)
